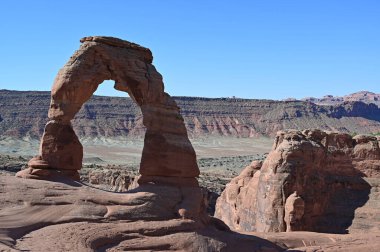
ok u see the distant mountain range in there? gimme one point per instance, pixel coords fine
(363, 96)
(24, 114)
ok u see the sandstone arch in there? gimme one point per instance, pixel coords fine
(167, 150)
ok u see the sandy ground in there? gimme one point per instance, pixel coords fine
(128, 151)
(219, 158)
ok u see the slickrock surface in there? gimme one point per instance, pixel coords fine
(38, 215)
(24, 114)
(167, 150)
(336, 176)
(313, 242)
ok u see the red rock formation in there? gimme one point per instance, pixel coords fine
(167, 151)
(327, 170)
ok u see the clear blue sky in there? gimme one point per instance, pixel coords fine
(251, 49)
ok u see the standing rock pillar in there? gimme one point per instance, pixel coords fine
(60, 153)
(294, 211)
(167, 151)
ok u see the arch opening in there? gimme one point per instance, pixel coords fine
(110, 129)
(107, 88)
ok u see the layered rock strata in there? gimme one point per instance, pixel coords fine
(311, 180)
(167, 150)
(23, 114)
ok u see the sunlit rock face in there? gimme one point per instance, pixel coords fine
(311, 180)
(167, 150)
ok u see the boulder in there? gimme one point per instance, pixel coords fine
(117, 180)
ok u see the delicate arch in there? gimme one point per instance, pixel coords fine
(167, 150)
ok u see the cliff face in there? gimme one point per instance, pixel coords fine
(25, 114)
(355, 109)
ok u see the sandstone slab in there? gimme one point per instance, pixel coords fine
(38, 215)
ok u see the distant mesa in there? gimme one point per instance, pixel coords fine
(290, 99)
(24, 114)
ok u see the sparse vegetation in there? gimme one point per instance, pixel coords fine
(354, 133)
